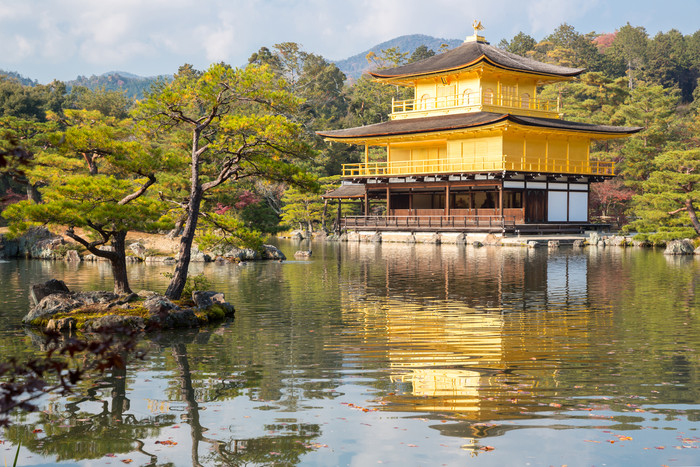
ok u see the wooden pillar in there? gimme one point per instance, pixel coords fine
(388, 201)
(339, 216)
(366, 171)
(447, 200)
(366, 209)
(500, 203)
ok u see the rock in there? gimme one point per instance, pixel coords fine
(64, 302)
(477, 244)
(114, 322)
(553, 244)
(197, 256)
(297, 235)
(272, 252)
(491, 239)
(8, 248)
(680, 247)
(641, 243)
(343, 237)
(376, 238)
(533, 244)
(160, 259)
(579, 243)
(593, 238)
(303, 254)
(205, 300)
(37, 292)
(61, 325)
(158, 304)
(72, 256)
(617, 240)
(697, 251)
(241, 254)
(601, 243)
(181, 319)
(133, 259)
(138, 250)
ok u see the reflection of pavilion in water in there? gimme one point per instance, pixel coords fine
(481, 334)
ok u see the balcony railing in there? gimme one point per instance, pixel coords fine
(473, 101)
(429, 167)
(429, 222)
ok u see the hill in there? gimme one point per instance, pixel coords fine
(354, 66)
(133, 85)
(16, 76)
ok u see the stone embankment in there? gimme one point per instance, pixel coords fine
(40, 243)
(593, 239)
(57, 308)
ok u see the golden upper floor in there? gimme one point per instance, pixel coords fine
(476, 109)
(475, 77)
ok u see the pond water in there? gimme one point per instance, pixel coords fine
(392, 354)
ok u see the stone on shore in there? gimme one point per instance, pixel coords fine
(680, 247)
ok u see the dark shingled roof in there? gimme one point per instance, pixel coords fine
(345, 192)
(469, 54)
(467, 120)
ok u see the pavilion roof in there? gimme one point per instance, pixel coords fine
(470, 54)
(460, 121)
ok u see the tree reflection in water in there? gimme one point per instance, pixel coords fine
(97, 422)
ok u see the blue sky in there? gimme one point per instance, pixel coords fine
(47, 39)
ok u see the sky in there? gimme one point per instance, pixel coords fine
(61, 39)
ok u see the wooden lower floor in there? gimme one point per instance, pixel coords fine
(489, 224)
(491, 203)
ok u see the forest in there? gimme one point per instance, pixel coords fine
(234, 151)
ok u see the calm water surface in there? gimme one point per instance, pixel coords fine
(392, 354)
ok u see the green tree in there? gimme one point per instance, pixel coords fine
(520, 44)
(671, 195)
(233, 124)
(653, 108)
(670, 64)
(106, 206)
(387, 58)
(108, 103)
(421, 53)
(30, 102)
(630, 48)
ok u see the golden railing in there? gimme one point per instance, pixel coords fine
(476, 101)
(428, 167)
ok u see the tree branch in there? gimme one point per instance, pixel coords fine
(139, 192)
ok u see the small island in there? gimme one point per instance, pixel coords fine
(56, 308)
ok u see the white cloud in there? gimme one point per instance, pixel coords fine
(156, 36)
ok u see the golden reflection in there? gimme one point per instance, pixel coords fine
(488, 343)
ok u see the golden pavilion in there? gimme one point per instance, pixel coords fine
(476, 149)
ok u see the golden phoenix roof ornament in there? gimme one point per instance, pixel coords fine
(476, 37)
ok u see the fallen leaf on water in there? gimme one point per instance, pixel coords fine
(487, 448)
(110, 455)
(37, 430)
(412, 445)
(591, 441)
(127, 461)
(167, 442)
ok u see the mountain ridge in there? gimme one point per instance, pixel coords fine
(354, 66)
(134, 85)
